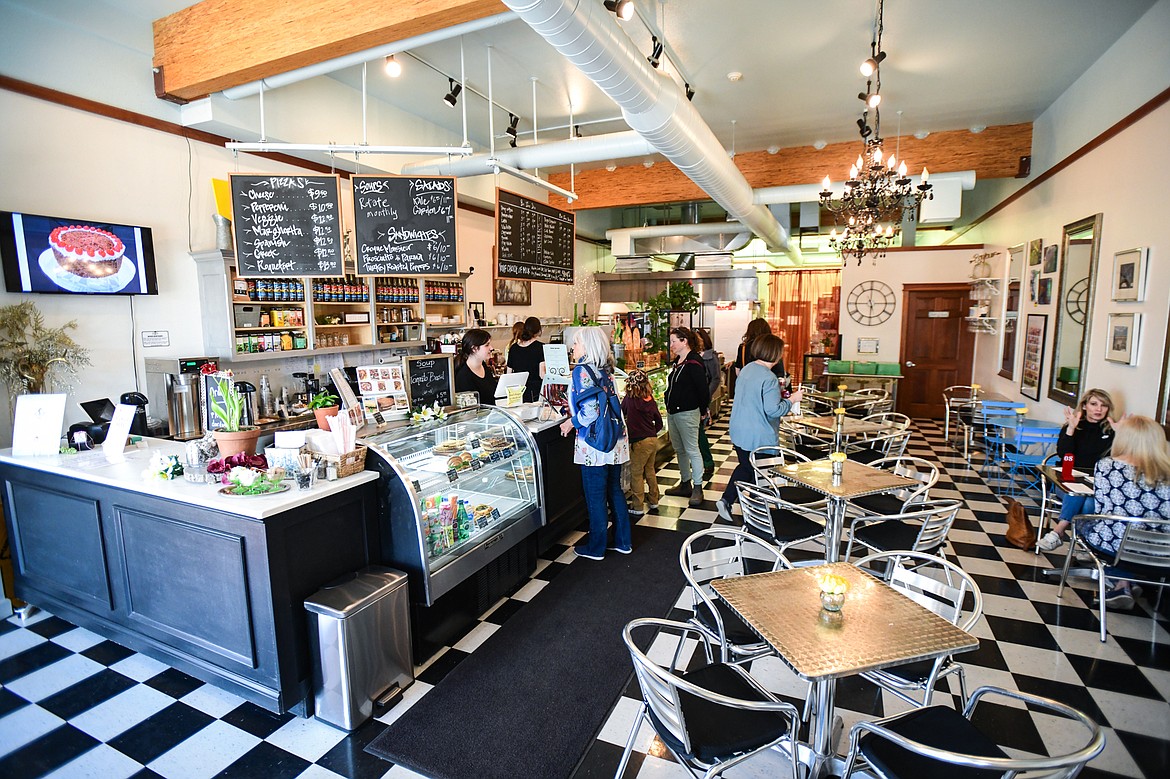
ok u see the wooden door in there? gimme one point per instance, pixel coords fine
(937, 349)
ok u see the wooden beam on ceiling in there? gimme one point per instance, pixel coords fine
(994, 153)
(216, 44)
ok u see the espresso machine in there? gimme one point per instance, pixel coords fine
(178, 381)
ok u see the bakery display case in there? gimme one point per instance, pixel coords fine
(456, 495)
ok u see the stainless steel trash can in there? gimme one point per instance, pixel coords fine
(359, 629)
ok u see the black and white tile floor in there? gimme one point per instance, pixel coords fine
(75, 705)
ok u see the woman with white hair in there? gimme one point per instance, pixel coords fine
(590, 387)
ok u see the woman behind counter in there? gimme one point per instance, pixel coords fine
(472, 373)
(527, 354)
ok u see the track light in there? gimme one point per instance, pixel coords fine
(871, 100)
(623, 9)
(690, 92)
(452, 97)
(870, 66)
(393, 67)
(513, 120)
(576, 131)
(655, 52)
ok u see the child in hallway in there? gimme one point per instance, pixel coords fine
(643, 421)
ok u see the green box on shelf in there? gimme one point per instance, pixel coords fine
(889, 369)
(839, 366)
(862, 368)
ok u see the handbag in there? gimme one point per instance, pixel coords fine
(1020, 532)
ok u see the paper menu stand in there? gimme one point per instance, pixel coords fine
(36, 425)
(115, 442)
(556, 364)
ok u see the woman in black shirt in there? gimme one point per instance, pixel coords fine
(473, 373)
(687, 398)
(527, 354)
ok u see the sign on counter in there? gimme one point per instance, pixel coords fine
(287, 225)
(430, 378)
(534, 241)
(404, 225)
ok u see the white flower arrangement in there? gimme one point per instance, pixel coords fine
(163, 467)
(432, 413)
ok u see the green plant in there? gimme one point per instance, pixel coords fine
(232, 406)
(678, 296)
(323, 399)
(33, 357)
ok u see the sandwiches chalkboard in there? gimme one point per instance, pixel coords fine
(404, 225)
(534, 241)
(287, 225)
(430, 378)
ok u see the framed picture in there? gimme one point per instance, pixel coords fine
(1121, 343)
(1129, 274)
(1033, 284)
(1034, 334)
(1034, 248)
(1050, 258)
(513, 292)
(475, 309)
(1044, 292)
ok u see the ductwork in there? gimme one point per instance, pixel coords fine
(587, 36)
(811, 193)
(612, 146)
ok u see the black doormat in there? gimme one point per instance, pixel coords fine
(530, 701)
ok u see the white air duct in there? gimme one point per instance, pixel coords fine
(595, 148)
(588, 36)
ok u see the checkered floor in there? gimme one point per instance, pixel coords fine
(73, 704)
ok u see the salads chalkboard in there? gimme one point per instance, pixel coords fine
(430, 378)
(404, 225)
(287, 225)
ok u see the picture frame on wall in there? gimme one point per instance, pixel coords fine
(1129, 275)
(512, 292)
(1033, 284)
(1044, 292)
(1034, 249)
(1050, 257)
(1035, 332)
(1121, 339)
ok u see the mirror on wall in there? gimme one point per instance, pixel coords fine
(1074, 308)
(1011, 312)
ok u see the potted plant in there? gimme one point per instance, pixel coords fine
(323, 405)
(35, 358)
(679, 296)
(228, 406)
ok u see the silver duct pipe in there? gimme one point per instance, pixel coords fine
(664, 231)
(587, 36)
(544, 155)
(358, 57)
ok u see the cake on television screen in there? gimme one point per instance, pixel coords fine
(71, 256)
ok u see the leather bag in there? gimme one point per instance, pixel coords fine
(1020, 532)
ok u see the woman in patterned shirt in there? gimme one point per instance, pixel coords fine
(1133, 482)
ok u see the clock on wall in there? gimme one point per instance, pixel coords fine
(871, 303)
(1076, 302)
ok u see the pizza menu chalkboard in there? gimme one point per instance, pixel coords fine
(430, 378)
(287, 225)
(534, 241)
(404, 225)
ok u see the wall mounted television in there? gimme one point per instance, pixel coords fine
(49, 254)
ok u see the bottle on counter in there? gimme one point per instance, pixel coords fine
(266, 407)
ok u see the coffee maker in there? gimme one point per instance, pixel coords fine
(178, 381)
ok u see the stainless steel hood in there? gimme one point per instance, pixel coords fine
(712, 285)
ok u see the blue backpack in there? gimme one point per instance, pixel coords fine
(603, 433)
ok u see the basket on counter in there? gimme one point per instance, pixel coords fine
(346, 464)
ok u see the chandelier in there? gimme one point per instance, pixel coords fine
(878, 194)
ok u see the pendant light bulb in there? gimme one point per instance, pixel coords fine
(393, 67)
(874, 100)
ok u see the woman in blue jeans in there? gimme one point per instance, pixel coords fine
(601, 472)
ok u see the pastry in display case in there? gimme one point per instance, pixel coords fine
(457, 493)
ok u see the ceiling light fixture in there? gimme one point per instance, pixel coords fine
(622, 9)
(734, 76)
(452, 97)
(870, 66)
(513, 120)
(655, 51)
(878, 194)
(392, 67)
(690, 92)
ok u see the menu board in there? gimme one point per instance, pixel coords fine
(430, 378)
(287, 225)
(534, 241)
(404, 225)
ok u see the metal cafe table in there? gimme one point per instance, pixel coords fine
(856, 481)
(850, 426)
(877, 628)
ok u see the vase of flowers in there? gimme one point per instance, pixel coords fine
(228, 407)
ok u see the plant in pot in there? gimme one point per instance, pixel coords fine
(678, 297)
(35, 358)
(324, 405)
(228, 406)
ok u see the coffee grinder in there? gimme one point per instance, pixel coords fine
(312, 386)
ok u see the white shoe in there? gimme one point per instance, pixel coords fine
(636, 512)
(1050, 542)
(724, 512)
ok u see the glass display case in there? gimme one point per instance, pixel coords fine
(457, 494)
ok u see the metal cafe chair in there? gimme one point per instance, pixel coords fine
(946, 596)
(1050, 503)
(722, 553)
(957, 399)
(1030, 447)
(995, 436)
(922, 527)
(920, 470)
(711, 718)
(876, 447)
(1143, 556)
(767, 515)
(766, 459)
(938, 741)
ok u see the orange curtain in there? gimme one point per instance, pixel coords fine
(803, 308)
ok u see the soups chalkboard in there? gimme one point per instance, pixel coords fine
(534, 241)
(404, 225)
(287, 225)
(430, 378)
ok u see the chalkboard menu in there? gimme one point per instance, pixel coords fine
(404, 225)
(287, 225)
(430, 378)
(533, 241)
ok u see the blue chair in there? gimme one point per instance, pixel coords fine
(996, 437)
(1031, 446)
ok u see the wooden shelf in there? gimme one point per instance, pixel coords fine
(278, 329)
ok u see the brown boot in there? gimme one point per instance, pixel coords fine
(681, 490)
(696, 496)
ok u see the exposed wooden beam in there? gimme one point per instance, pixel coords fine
(218, 44)
(994, 153)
